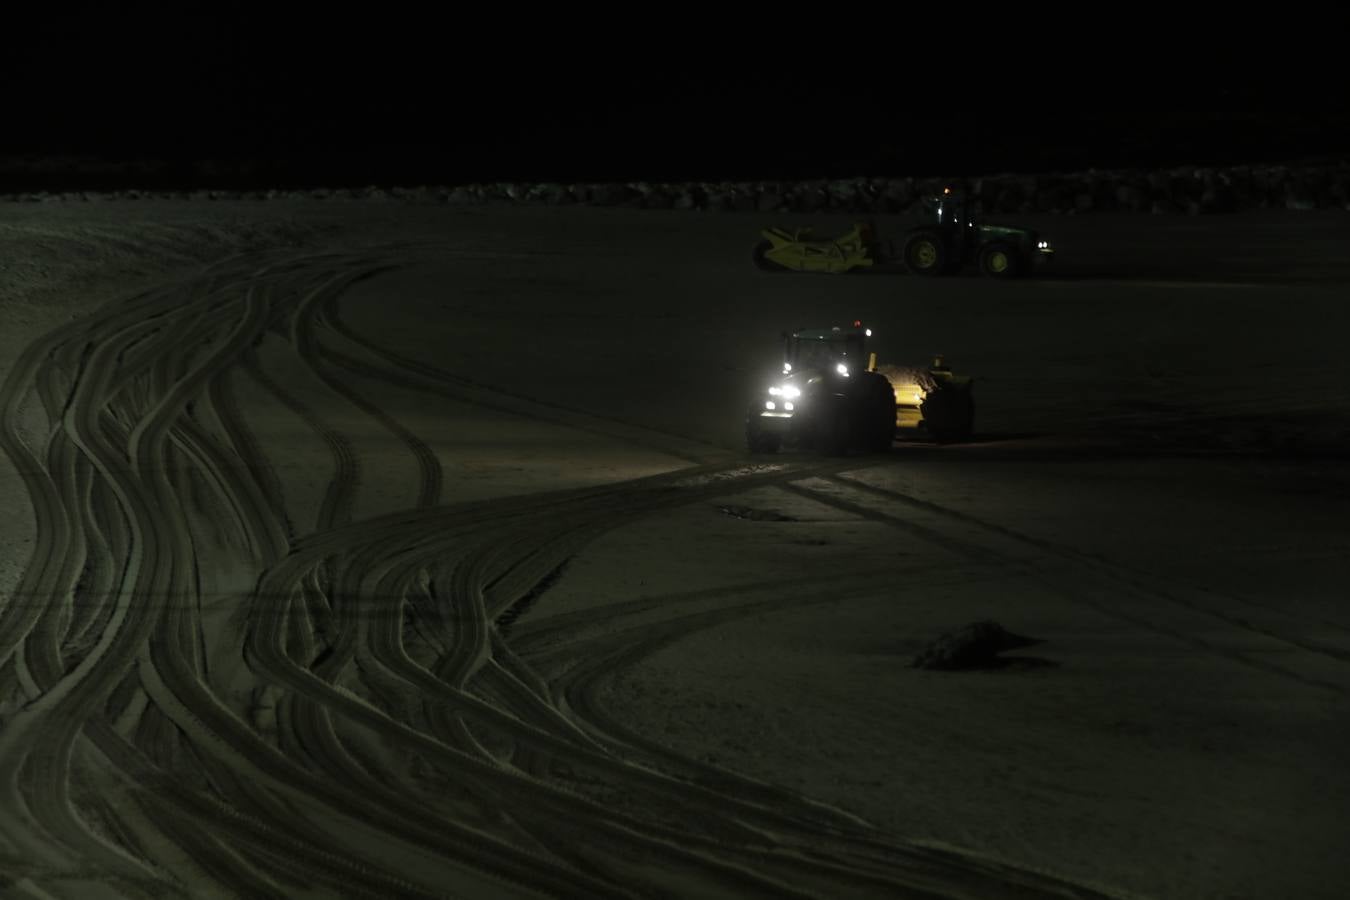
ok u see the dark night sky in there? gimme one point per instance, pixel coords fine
(365, 97)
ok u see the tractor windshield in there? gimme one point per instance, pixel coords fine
(825, 353)
(950, 211)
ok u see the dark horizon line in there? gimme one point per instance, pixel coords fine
(719, 148)
(259, 174)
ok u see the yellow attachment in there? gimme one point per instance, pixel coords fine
(871, 362)
(907, 417)
(908, 400)
(801, 252)
(911, 386)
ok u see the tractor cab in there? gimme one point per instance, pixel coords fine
(836, 351)
(951, 210)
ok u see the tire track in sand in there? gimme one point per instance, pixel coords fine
(350, 785)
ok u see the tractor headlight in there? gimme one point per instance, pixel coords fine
(842, 369)
(787, 391)
(770, 405)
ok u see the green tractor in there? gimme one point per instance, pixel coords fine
(828, 397)
(833, 396)
(956, 238)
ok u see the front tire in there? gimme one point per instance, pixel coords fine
(1000, 260)
(833, 434)
(759, 441)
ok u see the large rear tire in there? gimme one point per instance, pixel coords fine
(879, 416)
(949, 415)
(925, 253)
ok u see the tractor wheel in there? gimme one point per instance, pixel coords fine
(764, 443)
(999, 260)
(762, 262)
(877, 416)
(758, 441)
(949, 416)
(833, 434)
(925, 254)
